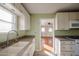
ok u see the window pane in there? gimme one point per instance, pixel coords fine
(5, 27)
(5, 15)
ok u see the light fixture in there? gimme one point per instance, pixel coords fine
(43, 29)
(50, 29)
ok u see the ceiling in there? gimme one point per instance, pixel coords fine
(36, 8)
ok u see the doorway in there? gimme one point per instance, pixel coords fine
(47, 35)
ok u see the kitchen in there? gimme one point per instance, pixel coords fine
(22, 30)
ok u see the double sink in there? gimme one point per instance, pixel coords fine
(14, 49)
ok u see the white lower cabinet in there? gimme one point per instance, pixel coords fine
(67, 53)
(27, 51)
(30, 49)
(67, 48)
(64, 47)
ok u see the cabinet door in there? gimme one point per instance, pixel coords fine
(57, 46)
(62, 21)
(67, 48)
(73, 15)
(67, 54)
(78, 15)
(68, 42)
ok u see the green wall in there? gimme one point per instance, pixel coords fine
(3, 35)
(35, 27)
(67, 33)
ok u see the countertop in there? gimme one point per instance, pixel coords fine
(62, 38)
(18, 48)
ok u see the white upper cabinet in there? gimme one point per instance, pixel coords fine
(62, 21)
(73, 15)
(78, 15)
(24, 21)
(74, 19)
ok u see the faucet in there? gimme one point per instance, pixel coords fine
(7, 41)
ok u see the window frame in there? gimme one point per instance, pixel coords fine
(14, 21)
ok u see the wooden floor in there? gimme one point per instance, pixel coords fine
(47, 47)
(43, 53)
(46, 51)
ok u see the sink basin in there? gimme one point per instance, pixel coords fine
(10, 51)
(20, 44)
(14, 49)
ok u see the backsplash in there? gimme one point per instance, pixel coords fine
(12, 41)
(3, 36)
(67, 33)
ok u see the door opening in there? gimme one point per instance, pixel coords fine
(47, 33)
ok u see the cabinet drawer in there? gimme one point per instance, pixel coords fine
(67, 42)
(67, 54)
(67, 47)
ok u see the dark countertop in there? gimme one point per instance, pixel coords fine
(71, 37)
(27, 36)
(64, 39)
(17, 48)
(12, 41)
(27, 39)
(68, 38)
